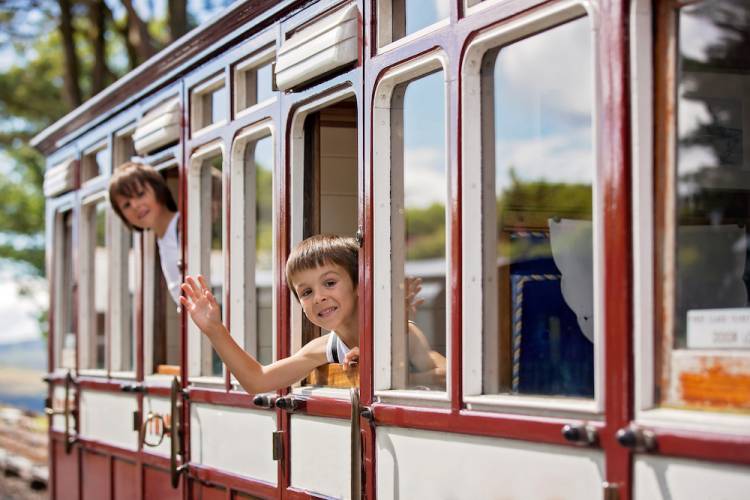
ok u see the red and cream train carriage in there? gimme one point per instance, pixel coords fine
(566, 177)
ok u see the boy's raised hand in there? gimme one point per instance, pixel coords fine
(201, 304)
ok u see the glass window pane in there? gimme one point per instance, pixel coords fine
(97, 286)
(709, 253)
(422, 13)
(262, 161)
(67, 346)
(129, 313)
(264, 79)
(213, 215)
(539, 320)
(219, 105)
(419, 234)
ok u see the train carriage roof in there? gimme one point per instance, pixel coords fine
(238, 21)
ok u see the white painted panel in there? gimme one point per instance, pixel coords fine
(425, 464)
(658, 478)
(234, 440)
(108, 418)
(321, 455)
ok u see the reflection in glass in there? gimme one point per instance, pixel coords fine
(419, 240)
(539, 317)
(713, 168)
(219, 105)
(129, 313)
(100, 283)
(422, 13)
(213, 217)
(262, 161)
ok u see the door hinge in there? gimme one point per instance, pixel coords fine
(278, 445)
(611, 491)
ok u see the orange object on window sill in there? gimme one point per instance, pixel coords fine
(334, 375)
(168, 370)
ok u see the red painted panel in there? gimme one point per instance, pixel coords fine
(207, 492)
(95, 480)
(66, 483)
(125, 480)
(157, 484)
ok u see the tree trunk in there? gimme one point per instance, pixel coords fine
(99, 75)
(178, 20)
(138, 37)
(71, 75)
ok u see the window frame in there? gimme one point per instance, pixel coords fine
(473, 236)
(384, 26)
(242, 318)
(650, 94)
(295, 186)
(198, 94)
(86, 278)
(429, 63)
(59, 288)
(91, 152)
(199, 358)
(240, 72)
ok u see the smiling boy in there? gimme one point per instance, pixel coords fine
(322, 273)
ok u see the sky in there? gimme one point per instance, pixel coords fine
(17, 315)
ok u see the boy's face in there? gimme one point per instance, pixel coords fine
(327, 295)
(142, 210)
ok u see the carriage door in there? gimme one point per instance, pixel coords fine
(692, 276)
(324, 200)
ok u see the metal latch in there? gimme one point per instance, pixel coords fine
(278, 445)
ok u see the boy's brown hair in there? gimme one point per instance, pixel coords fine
(130, 178)
(322, 249)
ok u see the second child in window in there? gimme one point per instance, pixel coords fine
(322, 273)
(141, 198)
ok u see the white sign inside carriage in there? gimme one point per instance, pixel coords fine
(718, 328)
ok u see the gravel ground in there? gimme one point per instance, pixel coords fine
(14, 488)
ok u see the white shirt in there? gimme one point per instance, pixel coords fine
(170, 251)
(336, 349)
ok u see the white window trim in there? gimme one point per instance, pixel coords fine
(239, 74)
(59, 288)
(196, 104)
(472, 194)
(381, 119)
(242, 317)
(297, 170)
(86, 346)
(199, 347)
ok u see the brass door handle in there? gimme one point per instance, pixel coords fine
(175, 433)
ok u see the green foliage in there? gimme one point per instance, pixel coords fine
(264, 217)
(425, 232)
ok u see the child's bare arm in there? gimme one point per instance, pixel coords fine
(429, 364)
(254, 377)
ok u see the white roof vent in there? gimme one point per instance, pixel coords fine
(60, 178)
(326, 44)
(158, 127)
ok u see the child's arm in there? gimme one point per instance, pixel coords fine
(429, 364)
(254, 377)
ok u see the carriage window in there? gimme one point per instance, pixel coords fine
(330, 200)
(95, 163)
(209, 103)
(65, 336)
(260, 184)
(95, 274)
(538, 247)
(703, 211)
(253, 82)
(399, 18)
(419, 196)
(212, 246)
(123, 264)
(161, 316)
